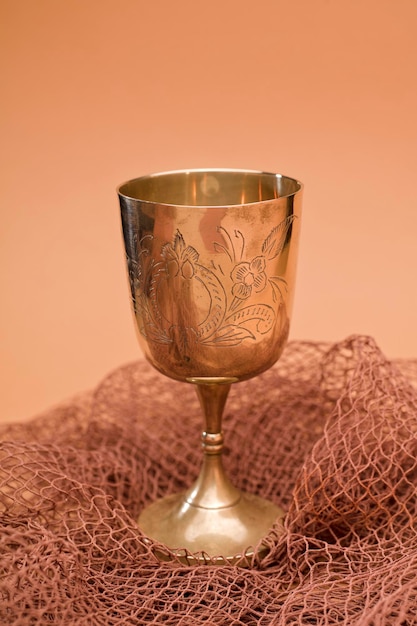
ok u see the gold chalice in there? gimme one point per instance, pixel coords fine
(211, 257)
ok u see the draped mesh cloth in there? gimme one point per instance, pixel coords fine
(329, 434)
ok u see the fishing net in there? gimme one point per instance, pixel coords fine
(329, 434)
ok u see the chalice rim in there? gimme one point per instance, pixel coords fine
(209, 170)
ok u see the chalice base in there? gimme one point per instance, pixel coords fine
(213, 536)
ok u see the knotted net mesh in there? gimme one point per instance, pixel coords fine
(329, 434)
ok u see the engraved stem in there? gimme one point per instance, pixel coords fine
(213, 489)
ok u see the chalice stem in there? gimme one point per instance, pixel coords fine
(212, 489)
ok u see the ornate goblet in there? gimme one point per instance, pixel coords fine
(211, 257)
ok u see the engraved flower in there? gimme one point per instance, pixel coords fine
(248, 277)
(179, 257)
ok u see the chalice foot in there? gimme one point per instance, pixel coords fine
(220, 536)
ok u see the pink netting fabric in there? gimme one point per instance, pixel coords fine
(330, 434)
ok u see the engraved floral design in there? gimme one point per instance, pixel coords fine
(248, 277)
(226, 315)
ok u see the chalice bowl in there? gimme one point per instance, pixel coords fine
(211, 258)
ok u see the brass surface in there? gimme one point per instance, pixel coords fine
(211, 258)
(213, 535)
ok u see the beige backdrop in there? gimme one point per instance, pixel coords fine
(95, 92)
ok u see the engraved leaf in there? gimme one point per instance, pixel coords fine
(221, 248)
(274, 243)
(230, 335)
(261, 314)
(275, 282)
(179, 243)
(155, 335)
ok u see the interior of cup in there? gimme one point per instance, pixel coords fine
(209, 187)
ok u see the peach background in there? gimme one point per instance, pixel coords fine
(96, 91)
